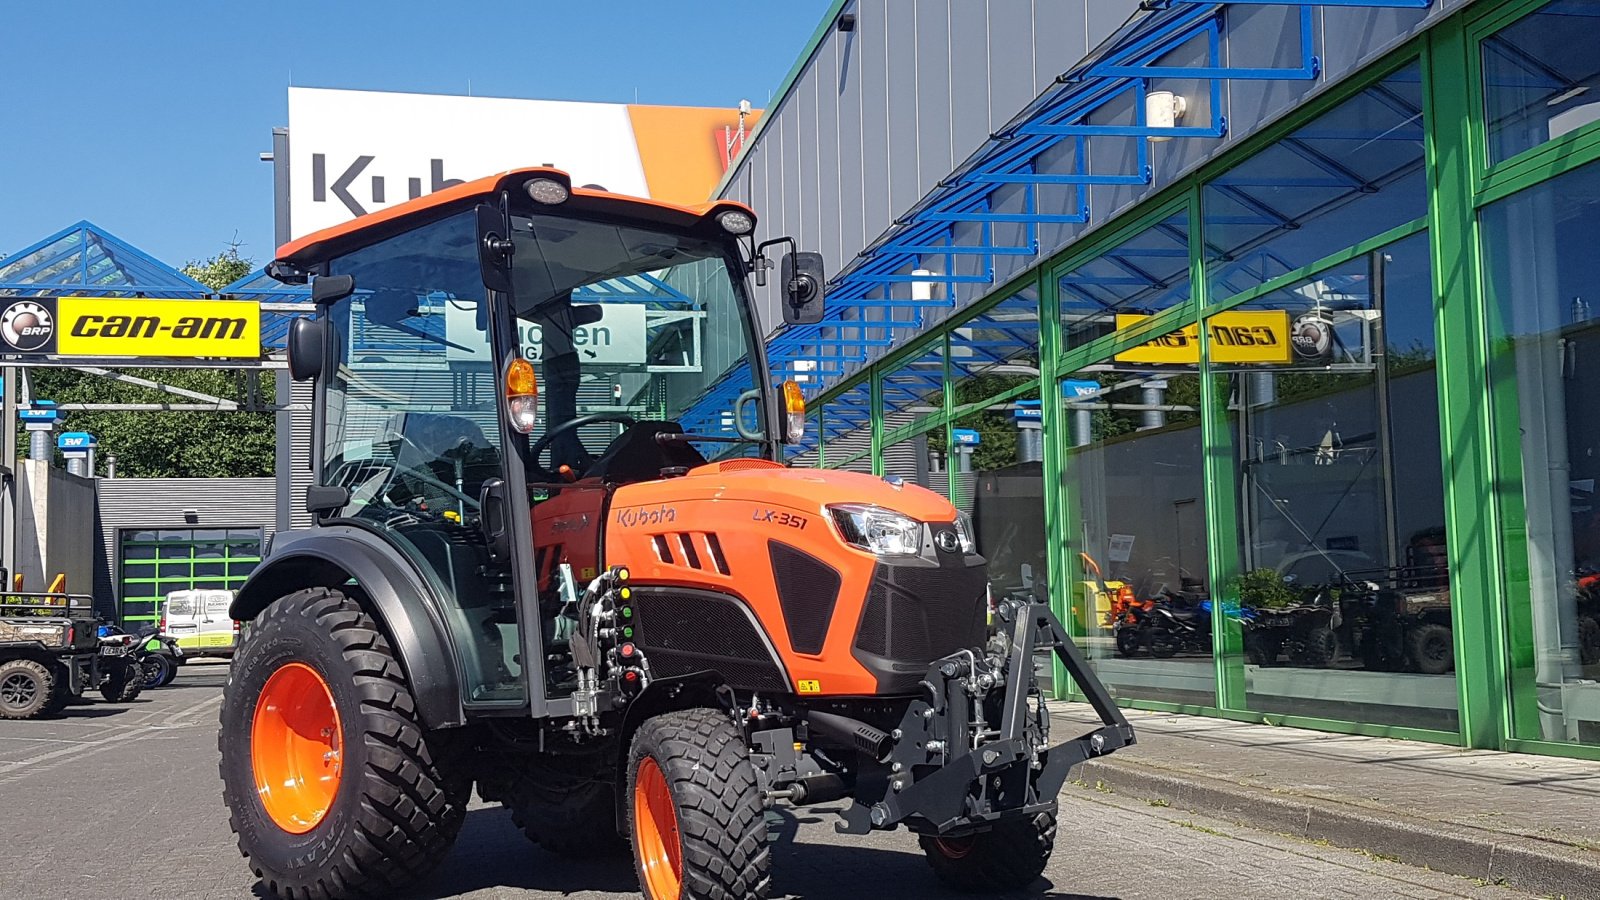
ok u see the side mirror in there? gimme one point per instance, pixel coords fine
(494, 248)
(332, 288)
(305, 348)
(802, 288)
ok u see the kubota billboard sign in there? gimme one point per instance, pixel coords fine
(353, 152)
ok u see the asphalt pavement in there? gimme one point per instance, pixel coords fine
(124, 802)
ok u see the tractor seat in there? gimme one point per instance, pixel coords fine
(636, 455)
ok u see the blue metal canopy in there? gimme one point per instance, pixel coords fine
(1035, 172)
(85, 258)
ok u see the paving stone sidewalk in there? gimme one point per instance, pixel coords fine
(1527, 821)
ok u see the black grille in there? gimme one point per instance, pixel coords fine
(808, 589)
(917, 612)
(684, 631)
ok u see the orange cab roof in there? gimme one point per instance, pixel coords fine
(319, 245)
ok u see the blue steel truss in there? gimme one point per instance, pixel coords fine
(950, 239)
(86, 259)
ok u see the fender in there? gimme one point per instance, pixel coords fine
(405, 606)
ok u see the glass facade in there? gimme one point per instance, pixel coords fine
(1303, 438)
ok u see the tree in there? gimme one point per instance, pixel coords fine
(172, 444)
(221, 270)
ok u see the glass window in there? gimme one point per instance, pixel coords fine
(1139, 278)
(1134, 522)
(1539, 78)
(1355, 172)
(1545, 371)
(1340, 589)
(920, 460)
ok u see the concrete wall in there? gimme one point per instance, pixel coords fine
(55, 527)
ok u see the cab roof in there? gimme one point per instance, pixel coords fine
(305, 252)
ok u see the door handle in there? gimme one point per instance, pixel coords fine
(492, 521)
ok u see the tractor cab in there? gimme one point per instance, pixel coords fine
(493, 362)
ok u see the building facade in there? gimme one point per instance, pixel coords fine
(1257, 341)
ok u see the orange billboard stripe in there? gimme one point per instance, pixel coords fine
(681, 148)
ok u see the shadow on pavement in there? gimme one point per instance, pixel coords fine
(492, 855)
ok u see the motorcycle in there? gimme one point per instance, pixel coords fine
(158, 655)
(1177, 623)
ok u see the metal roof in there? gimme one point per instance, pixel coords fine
(85, 258)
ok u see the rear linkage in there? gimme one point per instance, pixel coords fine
(973, 750)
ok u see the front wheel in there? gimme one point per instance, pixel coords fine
(334, 788)
(27, 689)
(695, 811)
(1007, 857)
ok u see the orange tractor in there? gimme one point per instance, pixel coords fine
(556, 556)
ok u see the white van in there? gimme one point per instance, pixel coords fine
(199, 621)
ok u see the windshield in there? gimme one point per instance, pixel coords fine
(630, 325)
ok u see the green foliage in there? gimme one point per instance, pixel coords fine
(167, 444)
(221, 270)
(1264, 589)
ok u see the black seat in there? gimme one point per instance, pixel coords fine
(636, 455)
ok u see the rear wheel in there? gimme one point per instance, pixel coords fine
(334, 789)
(567, 815)
(1432, 649)
(124, 682)
(695, 811)
(1008, 857)
(1316, 647)
(158, 670)
(26, 689)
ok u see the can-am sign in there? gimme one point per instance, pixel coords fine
(354, 152)
(96, 326)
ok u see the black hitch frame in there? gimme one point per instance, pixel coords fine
(937, 780)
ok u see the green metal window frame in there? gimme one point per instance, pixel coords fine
(162, 584)
(1481, 467)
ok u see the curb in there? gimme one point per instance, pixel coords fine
(1529, 864)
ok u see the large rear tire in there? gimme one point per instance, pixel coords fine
(1008, 857)
(334, 788)
(27, 688)
(567, 815)
(695, 811)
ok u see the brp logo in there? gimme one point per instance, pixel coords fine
(947, 541)
(26, 325)
(1312, 337)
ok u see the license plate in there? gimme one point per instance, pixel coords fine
(112, 650)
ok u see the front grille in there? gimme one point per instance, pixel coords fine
(917, 612)
(808, 589)
(683, 631)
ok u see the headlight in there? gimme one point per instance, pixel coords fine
(878, 530)
(965, 534)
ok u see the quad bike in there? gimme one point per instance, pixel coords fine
(556, 557)
(50, 655)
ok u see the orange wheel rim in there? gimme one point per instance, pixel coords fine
(655, 832)
(296, 748)
(954, 848)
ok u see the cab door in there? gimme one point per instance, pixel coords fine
(411, 432)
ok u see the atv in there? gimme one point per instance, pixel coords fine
(557, 556)
(50, 655)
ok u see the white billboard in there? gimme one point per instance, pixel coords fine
(354, 152)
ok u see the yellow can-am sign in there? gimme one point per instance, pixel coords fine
(97, 326)
(1238, 336)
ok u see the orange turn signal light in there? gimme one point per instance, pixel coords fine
(522, 396)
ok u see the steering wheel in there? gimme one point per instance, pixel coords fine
(537, 448)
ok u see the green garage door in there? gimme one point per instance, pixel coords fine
(152, 563)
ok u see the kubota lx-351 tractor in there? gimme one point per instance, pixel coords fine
(556, 555)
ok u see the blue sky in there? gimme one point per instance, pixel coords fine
(147, 117)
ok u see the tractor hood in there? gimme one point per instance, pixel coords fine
(801, 490)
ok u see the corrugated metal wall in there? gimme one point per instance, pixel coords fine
(881, 113)
(160, 502)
